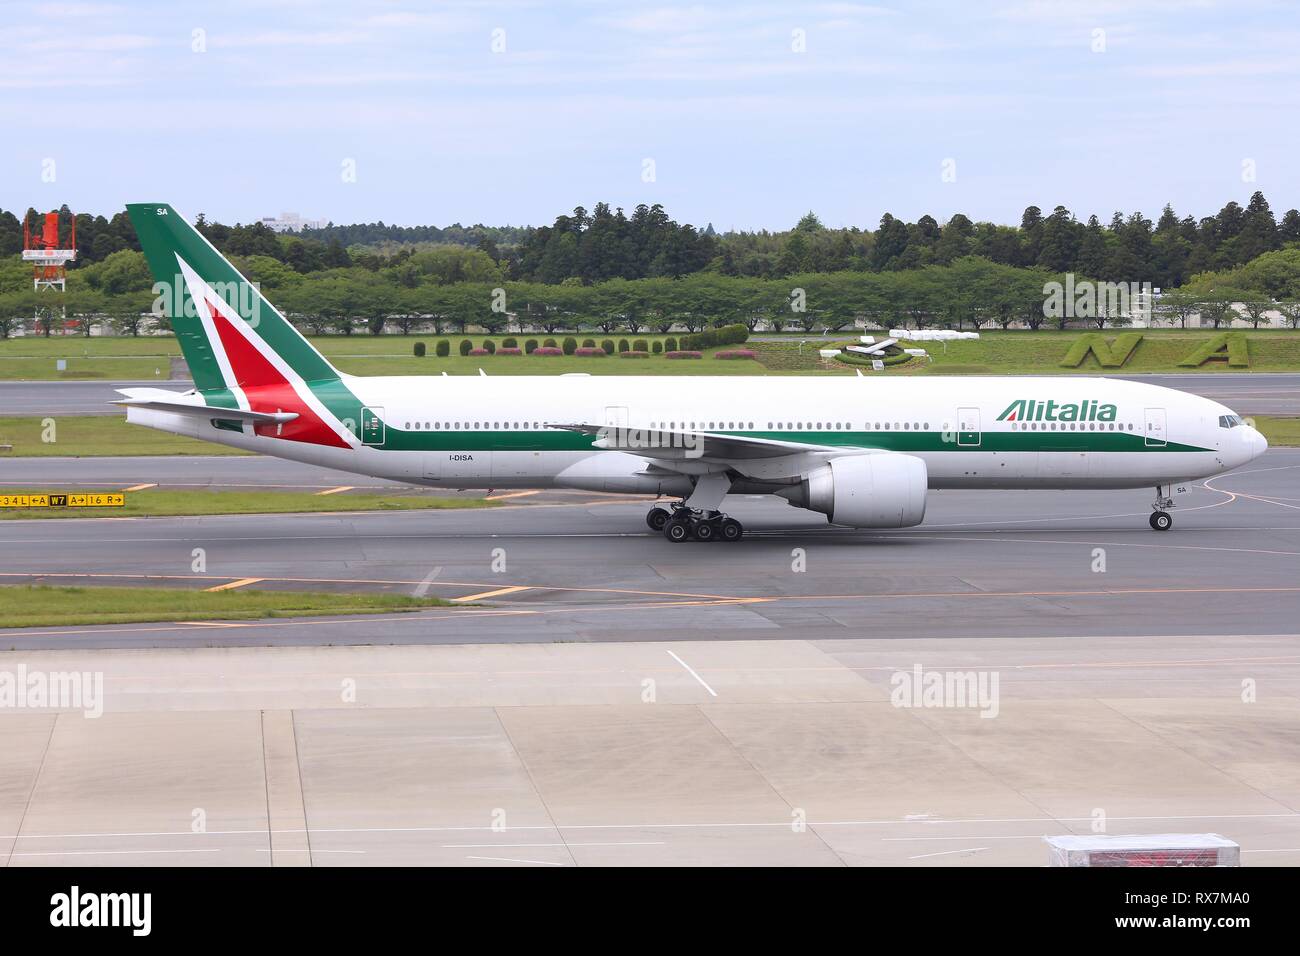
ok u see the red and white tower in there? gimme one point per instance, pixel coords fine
(49, 257)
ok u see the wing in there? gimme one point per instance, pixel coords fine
(157, 399)
(668, 445)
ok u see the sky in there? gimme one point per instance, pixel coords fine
(742, 114)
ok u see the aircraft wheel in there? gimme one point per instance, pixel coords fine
(656, 518)
(706, 531)
(731, 530)
(677, 530)
(1161, 520)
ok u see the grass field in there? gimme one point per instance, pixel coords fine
(1280, 432)
(548, 365)
(83, 435)
(995, 352)
(119, 368)
(1040, 352)
(155, 502)
(25, 606)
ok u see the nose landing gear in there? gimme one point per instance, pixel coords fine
(1161, 519)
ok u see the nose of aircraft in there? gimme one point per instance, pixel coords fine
(1256, 442)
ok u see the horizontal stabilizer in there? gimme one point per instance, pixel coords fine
(175, 402)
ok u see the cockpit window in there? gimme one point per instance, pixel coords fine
(1230, 421)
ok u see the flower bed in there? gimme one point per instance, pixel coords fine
(548, 350)
(590, 351)
(735, 354)
(633, 354)
(683, 355)
(478, 352)
(505, 350)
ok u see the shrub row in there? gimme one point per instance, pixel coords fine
(569, 346)
(711, 338)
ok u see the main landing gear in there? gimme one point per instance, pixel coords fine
(683, 524)
(698, 516)
(1161, 519)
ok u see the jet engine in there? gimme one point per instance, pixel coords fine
(884, 490)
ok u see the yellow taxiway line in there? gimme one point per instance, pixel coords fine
(497, 593)
(335, 491)
(231, 585)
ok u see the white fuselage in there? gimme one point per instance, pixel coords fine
(494, 432)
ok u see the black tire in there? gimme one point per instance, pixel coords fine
(677, 530)
(1161, 520)
(731, 530)
(656, 518)
(706, 531)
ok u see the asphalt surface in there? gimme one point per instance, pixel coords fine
(1254, 393)
(565, 567)
(774, 752)
(614, 699)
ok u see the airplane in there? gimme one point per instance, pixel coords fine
(862, 451)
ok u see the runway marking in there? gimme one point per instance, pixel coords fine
(505, 859)
(242, 582)
(213, 623)
(525, 846)
(1014, 594)
(1174, 663)
(497, 593)
(513, 494)
(381, 581)
(462, 616)
(142, 487)
(783, 824)
(974, 849)
(1030, 836)
(111, 852)
(1109, 544)
(422, 588)
(334, 491)
(693, 674)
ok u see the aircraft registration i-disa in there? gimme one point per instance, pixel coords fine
(862, 451)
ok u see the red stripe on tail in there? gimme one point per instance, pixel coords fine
(269, 391)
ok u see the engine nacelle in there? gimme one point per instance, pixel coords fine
(883, 490)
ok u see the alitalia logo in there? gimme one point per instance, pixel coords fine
(1034, 410)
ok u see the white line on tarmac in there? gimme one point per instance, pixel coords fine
(1031, 836)
(923, 856)
(503, 859)
(693, 674)
(1290, 815)
(523, 846)
(110, 852)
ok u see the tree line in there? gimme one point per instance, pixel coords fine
(604, 270)
(967, 293)
(605, 243)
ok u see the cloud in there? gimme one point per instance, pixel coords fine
(289, 38)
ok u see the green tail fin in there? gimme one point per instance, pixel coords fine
(187, 267)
